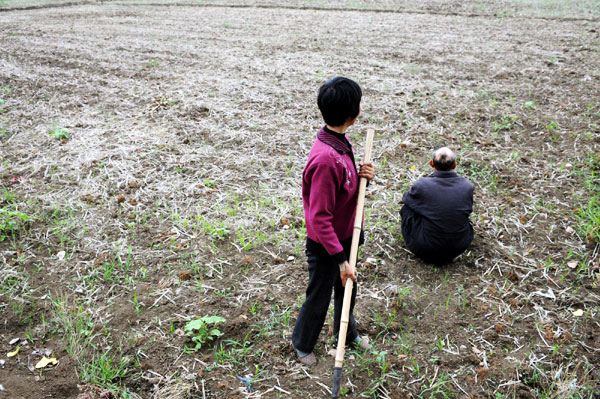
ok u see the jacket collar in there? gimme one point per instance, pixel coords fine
(443, 173)
(334, 141)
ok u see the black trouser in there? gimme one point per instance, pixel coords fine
(324, 276)
(419, 241)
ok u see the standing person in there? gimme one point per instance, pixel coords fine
(329, 194)
(435, 215)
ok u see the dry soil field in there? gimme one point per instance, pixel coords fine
(151, 158)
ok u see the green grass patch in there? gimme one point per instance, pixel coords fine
(588, 220)
(76, 325)
(106, 371)
(12, 220)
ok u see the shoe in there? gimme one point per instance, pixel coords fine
(308, 360)
(361, 342)
(358, 343)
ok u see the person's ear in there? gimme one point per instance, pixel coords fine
(453, 166)
(431, 164)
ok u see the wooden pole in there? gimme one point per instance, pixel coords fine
(358, 219)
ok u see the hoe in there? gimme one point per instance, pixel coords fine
(358, 219)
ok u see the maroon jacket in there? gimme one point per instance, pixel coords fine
(329, 192)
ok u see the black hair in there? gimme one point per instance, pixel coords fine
(444, 160)
(339, 101)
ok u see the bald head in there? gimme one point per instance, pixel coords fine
(444, 159)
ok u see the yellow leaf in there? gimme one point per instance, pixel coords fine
(13, 353)
(578, 313)
(45, 361)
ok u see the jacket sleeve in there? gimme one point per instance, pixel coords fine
(323, 189)
(412, 197)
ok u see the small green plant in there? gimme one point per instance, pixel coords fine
(415, 366)
(403, 295)
(105, 370)
(378, 381)
(210, 183)
(439, 388)
(137, 305)
(255, 308)
(76, 325)
(439, 343)
(154, 62)
(552, 126)
(588, 220)
(60, 134)
(506, 122)
(11, 222)
(202, 330)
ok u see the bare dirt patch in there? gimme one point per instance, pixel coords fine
(157, 154)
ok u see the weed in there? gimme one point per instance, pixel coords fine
(234, 352)
(505, 122)
(218, 231)
(552, 126)
(384, 372)
(415, 366)
(561, 383)
(439, 343)
(437, 388)
(483, 176)
(377, 319)
(445, 278)
(400, 300)
(105, 370)
(137, 305)
(588, 219)
(210, 183)
(201, 331)
(60, 134)
(75, 324)
(11, 222)
(277, 322)
(255, 308)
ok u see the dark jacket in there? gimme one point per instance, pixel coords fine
(435, 216)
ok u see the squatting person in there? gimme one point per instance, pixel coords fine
(329, 194)
(435, 215)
